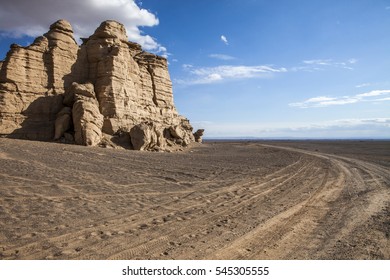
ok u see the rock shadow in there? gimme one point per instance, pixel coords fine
(39, 119)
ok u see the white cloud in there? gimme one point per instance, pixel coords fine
(208, 75)
(224, 39)
(318, 61)
(383, 99)
(325, 101)
(187, 66)
(21, 17)
(342, 128)
(363, 85)
(320, 99)
(210, 78)
(222, 56)
(374, 93)
(352, 60)
(322, 64)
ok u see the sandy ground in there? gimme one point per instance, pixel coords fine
(220, 200)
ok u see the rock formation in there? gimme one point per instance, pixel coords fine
(87, 120)
(56, 89)
(32, 81)
(63, 122)
(198, 135)
(147, 136)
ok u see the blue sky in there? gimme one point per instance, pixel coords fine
(307, 69)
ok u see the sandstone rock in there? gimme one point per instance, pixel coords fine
(133, 88)
(76, 89)
(63, 122)
(177, 132)
(63, 55)
(87, 120)
(32, 80)
(182, 133)
(198, 135)
(147, 136)
(141, 137)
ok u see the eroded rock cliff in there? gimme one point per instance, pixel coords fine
(56, 89)
(32, 81)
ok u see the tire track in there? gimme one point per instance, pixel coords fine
(260, 202)
(289, 231)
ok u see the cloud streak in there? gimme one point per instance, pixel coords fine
(209, 75)
(222, 56)
(332, 129)
(20, 17)
(323, 64)
(325, 101)
(363, 85)
(223, 73)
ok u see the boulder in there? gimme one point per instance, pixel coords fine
(147, 137)
(182, 133)
(198, 135)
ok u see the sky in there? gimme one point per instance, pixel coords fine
(248, 68)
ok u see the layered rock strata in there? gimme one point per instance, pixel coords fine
(32, 81)
(107, 86)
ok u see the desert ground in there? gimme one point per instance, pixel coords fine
(218, 200)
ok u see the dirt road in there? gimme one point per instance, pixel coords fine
(246, 200)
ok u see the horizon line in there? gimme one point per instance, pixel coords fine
(248, 138)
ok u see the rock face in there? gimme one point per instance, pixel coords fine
(87, 120)
(32, 81)
(55, 88)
